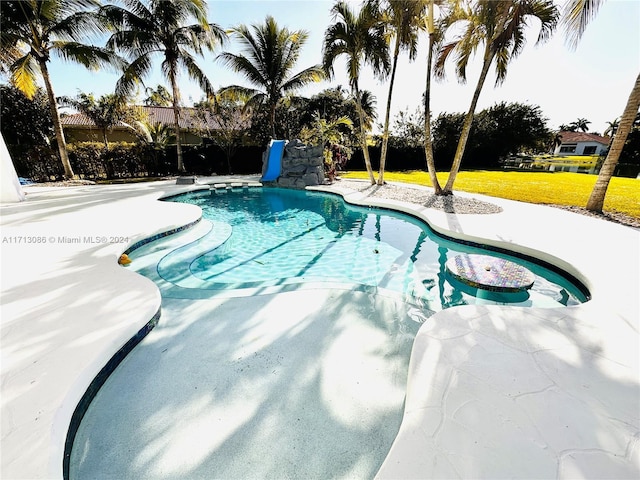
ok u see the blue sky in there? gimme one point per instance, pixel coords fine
(592, 82)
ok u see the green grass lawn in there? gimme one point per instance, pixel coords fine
(560, 188)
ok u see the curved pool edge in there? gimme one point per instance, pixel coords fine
(444, 401)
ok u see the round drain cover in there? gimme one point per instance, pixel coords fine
(490, 273)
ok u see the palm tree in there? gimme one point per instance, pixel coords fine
(106, 112)
(361, 39)
(612, 128)
(151, 28)
(434, 36)
(581, 124)
(270, 54)
(404, 19)
(500, 26)
(599, 192)
(576, 16)
(34, 30)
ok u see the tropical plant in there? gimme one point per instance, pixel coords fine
(612, 128)
(404, 20)
(361, 38)
(499, 25)
(576, 16)
(159, 97)
(325, 132)
(581, 124)
(269, 56)
(106, 112)
(32, 31)
(144, 30)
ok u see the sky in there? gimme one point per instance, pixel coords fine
(593, 81)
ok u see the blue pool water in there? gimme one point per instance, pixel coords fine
(269, 237)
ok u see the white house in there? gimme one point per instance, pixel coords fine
(581, 143)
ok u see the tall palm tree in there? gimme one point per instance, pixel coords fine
(576, 16)
(499, 25)
(144, 30)
(599, 192)
(360, 37)
(34, 30)
(435, 35)
(404, 20)
(270, 54)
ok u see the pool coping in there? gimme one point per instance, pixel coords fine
(519, 228)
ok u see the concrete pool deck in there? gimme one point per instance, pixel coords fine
(492, 391)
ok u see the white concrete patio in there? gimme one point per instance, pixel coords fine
(492, 391)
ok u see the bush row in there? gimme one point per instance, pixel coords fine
(91, 161)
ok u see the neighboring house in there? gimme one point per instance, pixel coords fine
(79, 128)
(582, 143)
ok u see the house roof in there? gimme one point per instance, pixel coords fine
(163, 115)
(575, 137)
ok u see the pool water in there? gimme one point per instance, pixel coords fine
(269, 237)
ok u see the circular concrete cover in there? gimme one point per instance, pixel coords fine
(490, 273)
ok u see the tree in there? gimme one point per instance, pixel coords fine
(497, 132)
(408, 129)
(404, 21)
(361, 38)
(581, 124)
(160, 97)
(31, 123)
(106, 112)
(499, 25)
(599, 192)
(33, 31)
(270, 54)
(435, 36)
(152, 28)
(231, 121)
(612, 127)
(576, 16)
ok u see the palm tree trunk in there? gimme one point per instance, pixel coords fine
(428, 143)
(57, 125)
(596, 199)
(468, 120)
(104, 139)
(363, 137)
(385, 133)
(176, 117)
(272, 119)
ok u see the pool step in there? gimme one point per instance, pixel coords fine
(231, 185)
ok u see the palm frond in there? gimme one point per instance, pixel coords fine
(24, 72)
(576, 16)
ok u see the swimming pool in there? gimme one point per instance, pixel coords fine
(261, 238)
(288, 319)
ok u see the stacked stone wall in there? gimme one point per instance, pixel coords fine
(302, 165)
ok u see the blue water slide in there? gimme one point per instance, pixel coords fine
(275, 150)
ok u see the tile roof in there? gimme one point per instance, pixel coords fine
(575, 137)
(163, 115)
